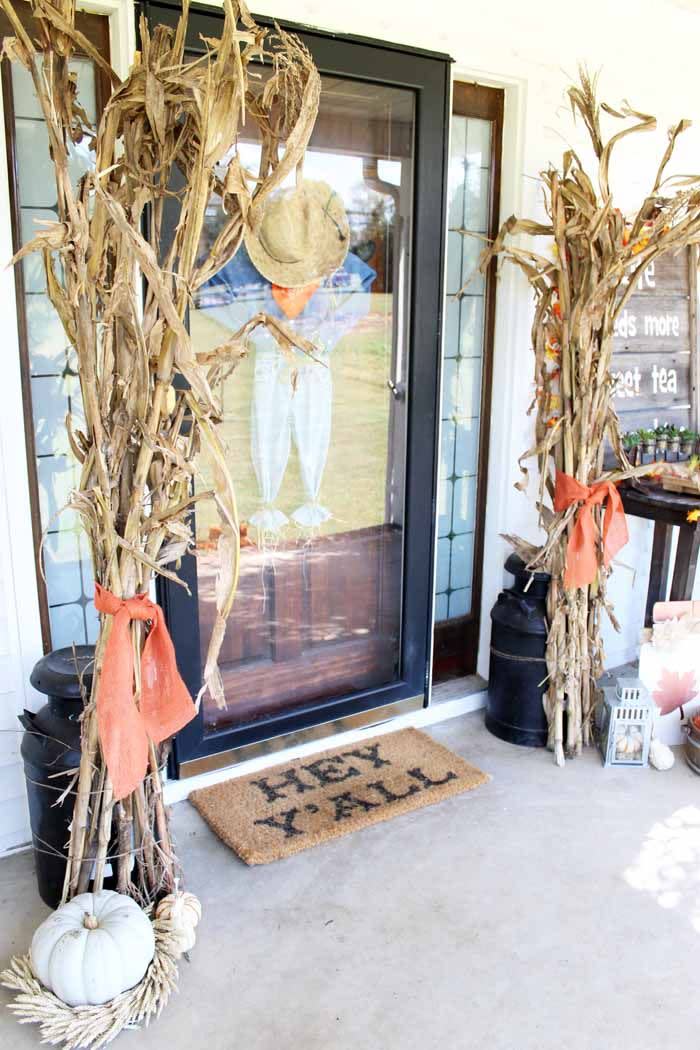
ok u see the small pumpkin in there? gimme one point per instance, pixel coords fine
(93, 948)
(183, 911)
(660, 755)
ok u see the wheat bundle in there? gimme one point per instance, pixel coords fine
(91, 1027)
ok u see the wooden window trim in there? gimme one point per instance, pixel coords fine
(96, 30)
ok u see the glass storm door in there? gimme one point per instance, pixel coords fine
(472, 207)
(317, 447)
(333, 459)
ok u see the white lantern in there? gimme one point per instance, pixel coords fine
(626, 720)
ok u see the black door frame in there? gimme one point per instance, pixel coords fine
(428, 75)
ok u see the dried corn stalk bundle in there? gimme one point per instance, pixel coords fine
(598, 256)
(167, 139)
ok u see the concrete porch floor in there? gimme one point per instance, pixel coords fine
(548, 909)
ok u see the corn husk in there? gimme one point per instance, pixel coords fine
(597, 257)
(167, 139)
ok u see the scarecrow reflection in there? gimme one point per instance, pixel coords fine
(322, 310)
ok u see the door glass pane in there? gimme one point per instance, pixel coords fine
(317, 449)
(469, 191)
(54, 386)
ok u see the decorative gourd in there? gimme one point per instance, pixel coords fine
(93, 948)
(660, 755)
(183, 911)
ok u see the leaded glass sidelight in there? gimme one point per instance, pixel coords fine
(469, 194)
(49, 363)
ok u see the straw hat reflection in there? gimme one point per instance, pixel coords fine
(303, 235)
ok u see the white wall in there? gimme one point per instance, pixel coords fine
(647, 53)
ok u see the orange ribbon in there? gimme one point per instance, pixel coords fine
(581, 555)
(165, 704)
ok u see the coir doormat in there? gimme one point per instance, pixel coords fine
(272, 814)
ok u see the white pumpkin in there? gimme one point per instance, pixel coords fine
(183, 911)
(93, 948)
(180, 907)
(660, 755)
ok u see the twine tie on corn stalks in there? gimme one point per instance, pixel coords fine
(581, 556)
(165, 703)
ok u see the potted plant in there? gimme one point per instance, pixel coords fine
(674, 440)
(661, 441)
(648, 440)
(630, 443)
(688, 439)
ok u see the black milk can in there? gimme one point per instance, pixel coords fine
(518, 669)
(51, 746)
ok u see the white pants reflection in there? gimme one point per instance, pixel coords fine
(279, 412)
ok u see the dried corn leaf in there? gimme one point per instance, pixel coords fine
(597, 260)
(142, 432)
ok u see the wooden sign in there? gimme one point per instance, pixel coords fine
(654, 364)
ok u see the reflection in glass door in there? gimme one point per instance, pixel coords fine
(335, 460)
(317, 447)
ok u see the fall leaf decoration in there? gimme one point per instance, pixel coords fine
(674, 689)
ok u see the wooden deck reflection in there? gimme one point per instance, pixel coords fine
(312, 619)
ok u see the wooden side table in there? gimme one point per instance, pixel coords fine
(666, 509)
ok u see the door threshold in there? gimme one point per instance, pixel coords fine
(422, 717)
(457, 688)
(286, 741)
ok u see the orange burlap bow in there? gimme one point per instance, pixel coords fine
(165, 705)
(581, 554)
